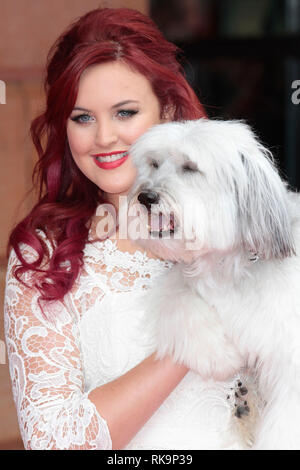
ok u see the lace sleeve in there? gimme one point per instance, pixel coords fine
(46, 372)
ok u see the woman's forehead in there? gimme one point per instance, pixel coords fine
(112, 83)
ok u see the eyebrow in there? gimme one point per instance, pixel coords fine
(122, 103)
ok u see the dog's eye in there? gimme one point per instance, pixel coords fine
(189, 167)
(154, 164)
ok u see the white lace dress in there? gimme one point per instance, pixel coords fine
(96, 336)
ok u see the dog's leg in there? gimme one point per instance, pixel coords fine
(190, 331)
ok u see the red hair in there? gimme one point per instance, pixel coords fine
(67, 199)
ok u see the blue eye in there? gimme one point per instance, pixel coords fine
(86, 118)
(81, 118)
(126, 113)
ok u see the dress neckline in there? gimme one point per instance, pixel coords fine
(111, 248)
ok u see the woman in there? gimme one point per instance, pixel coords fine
(83, 370)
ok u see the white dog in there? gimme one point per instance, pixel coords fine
(218, 208)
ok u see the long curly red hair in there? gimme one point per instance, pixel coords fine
(67, 199)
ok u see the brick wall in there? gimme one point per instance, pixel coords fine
(28, 28)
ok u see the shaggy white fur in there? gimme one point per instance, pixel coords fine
(218, 208)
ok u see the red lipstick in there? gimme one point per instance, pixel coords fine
(110, 165)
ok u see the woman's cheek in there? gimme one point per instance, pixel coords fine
(80, 143)
(136, 132)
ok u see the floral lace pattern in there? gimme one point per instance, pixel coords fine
(95, 336)
(47, 376)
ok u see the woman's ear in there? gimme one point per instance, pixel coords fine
(168, 113)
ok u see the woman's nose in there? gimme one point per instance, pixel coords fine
(106, 134)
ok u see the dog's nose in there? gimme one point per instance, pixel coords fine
(148, 197)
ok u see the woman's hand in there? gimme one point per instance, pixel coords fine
(129, 401)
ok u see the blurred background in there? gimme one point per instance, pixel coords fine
(242, 57)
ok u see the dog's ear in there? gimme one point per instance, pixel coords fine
(262, 201)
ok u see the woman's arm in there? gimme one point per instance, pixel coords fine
(47, 376)
(129, 401)
(46, 369)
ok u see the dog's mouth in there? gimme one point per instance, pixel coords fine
(161, 225)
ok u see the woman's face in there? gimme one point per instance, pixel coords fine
(114, 106)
